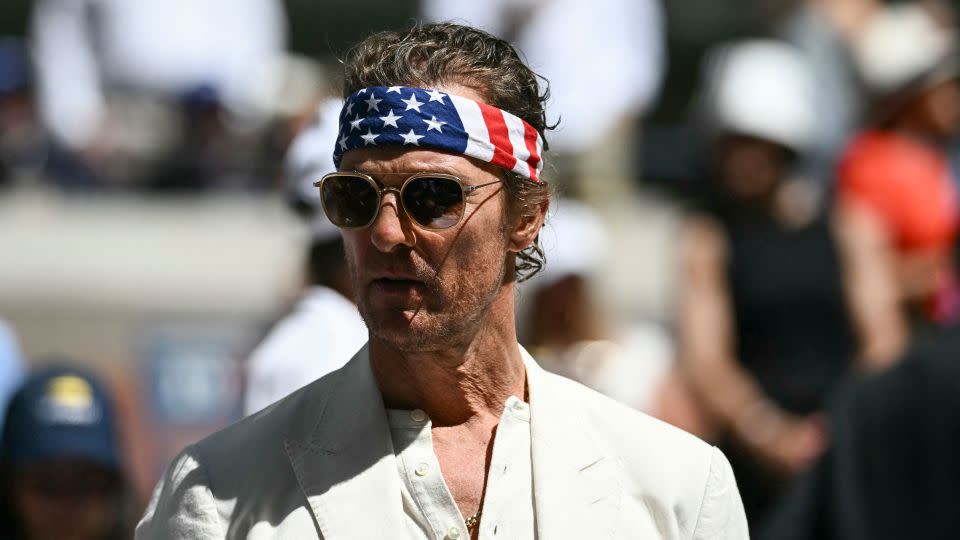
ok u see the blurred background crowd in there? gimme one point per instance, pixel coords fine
(755, 237)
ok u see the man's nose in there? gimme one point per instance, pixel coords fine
(392, 228)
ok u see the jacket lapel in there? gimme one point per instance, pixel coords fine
(343, 458)
(576, 487)
(342, 455)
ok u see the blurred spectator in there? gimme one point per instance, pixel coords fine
(324, 329)
(617, 41)
(566, 329)
(114, 77)
(310, 156)
(892, 470)
(61, 473)
(772, 315)
(11, 366)
(21, 141)
(823, 30)
(896, 174)
(604, 60)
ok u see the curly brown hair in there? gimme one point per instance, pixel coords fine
(432, 55)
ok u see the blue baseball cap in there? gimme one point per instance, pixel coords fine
(60, 413)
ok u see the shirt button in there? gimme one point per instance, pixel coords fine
(453, 532)
(422, 469)
(418, 415)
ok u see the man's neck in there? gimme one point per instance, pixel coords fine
(467, 383)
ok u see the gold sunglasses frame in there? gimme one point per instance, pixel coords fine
(381, 190)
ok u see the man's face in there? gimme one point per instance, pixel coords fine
(421, 289)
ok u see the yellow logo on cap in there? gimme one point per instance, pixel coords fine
(70, 391)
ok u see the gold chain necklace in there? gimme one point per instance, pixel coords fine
(472, 521)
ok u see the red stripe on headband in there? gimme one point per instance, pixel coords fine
(497, 128)
(530, 138)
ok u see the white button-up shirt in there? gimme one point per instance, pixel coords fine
(430, 510)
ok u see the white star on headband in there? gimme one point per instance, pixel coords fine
(372, 103)
(474, 129)
(411, 138)
(434, 124)
(412, 103)
(390, 119)
(355, 123)
(369, 138)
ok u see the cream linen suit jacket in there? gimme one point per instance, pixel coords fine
(320, 464)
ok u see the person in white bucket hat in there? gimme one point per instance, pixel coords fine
(771, 314)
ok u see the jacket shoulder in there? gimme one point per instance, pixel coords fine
(225, 484)
(261, 435)
(664, 470)
(182, 505)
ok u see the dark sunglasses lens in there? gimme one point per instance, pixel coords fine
(434, 202)
(350, 201)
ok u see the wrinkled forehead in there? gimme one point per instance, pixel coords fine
(393, 162)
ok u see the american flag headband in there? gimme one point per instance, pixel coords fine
(406, 116)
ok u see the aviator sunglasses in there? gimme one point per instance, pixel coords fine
(436, 201)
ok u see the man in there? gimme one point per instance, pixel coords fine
(442, 426)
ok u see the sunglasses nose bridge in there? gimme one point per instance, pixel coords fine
(397, 202)
(390, 229)
(385, 190)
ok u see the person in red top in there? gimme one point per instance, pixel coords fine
(909, 183)
(896, 173)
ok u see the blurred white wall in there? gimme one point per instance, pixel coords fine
(85, 275)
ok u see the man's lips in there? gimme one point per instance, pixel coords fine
(390, 277)
(396, 282)
(403, 290)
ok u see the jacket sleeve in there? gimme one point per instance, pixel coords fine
(182, 505)
(721, 514)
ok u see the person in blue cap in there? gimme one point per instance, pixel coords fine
(61, 475)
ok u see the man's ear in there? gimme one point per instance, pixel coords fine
(527, 227)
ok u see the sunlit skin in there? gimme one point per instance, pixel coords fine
(439, 305)
(418, 289)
